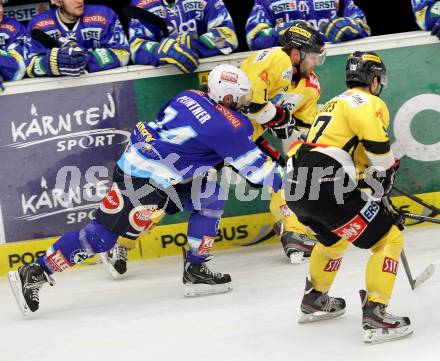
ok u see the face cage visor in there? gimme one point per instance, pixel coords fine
(243, 101)
(317, 59)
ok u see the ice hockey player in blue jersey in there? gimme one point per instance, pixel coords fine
(337, 21)
(90, 39)
(167, 167)
(12, 37)
(197, 28)
(427, 13)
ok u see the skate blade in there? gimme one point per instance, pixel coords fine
(319, 316)
(297, 258)
(109, 267)
(380, 335)
(15, 284)
(199, 289)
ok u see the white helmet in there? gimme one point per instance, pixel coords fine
(226, 79)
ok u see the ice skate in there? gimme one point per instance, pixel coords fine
(26, 284)
(297, 247)
(115, 260)
(317, 306)
(199, 280)
(381, 326)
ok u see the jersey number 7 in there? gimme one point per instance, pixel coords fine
(322, 121)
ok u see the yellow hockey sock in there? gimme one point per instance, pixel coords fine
(382, 266)
(325, 263)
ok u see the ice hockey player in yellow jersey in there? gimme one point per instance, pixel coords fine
(325, 181)
(285, 97)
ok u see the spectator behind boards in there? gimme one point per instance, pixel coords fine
(427, 13)
(181, 32)
(337, 21)
(12, 35)
(90, 38)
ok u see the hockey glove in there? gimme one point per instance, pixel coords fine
(344, 29)
(282, 125)
(265, 37)
(68, 60)
(391, 210)
(221, 38)
(387, 180)
(436, 28)
(280, 29)
(186, 39)
(169, 51)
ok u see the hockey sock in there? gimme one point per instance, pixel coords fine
(281, 212)
(202, 230)
(325, 263)
(75, 246)
(382, 266)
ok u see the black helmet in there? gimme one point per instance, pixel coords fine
(363, 66)
(303, 36)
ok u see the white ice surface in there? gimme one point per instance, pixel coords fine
(89, 316)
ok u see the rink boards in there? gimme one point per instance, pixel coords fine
(60, 139)
(167, 240)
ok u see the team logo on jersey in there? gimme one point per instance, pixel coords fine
(262, 55)
(229, 77)
(264, 77)
(113, 202)
(145, 3)
(230, 117)
(206, 245)
(283, 5)
(287, 74)
(319, 5)
(43, 23)
(370, 210)
(194, 5)
(333, 265)
(390, 265)
(313, 82)
(78, 256)
(140, 217)
(351, 230)
(95, 19)
(11, 28)
(57, 261)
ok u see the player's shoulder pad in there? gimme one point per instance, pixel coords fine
(98, 14)
(11, 25)
(44, 20)
(313, 82)
(146, 4)
(355, 99)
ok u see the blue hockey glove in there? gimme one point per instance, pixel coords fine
(344, 29)
(68, 60)
(171, 52)
(436, 28)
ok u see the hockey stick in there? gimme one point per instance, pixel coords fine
(423, 277)
(44, 39)
(420, 217)
(261, 236)
(134, 12)
(417, 200)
